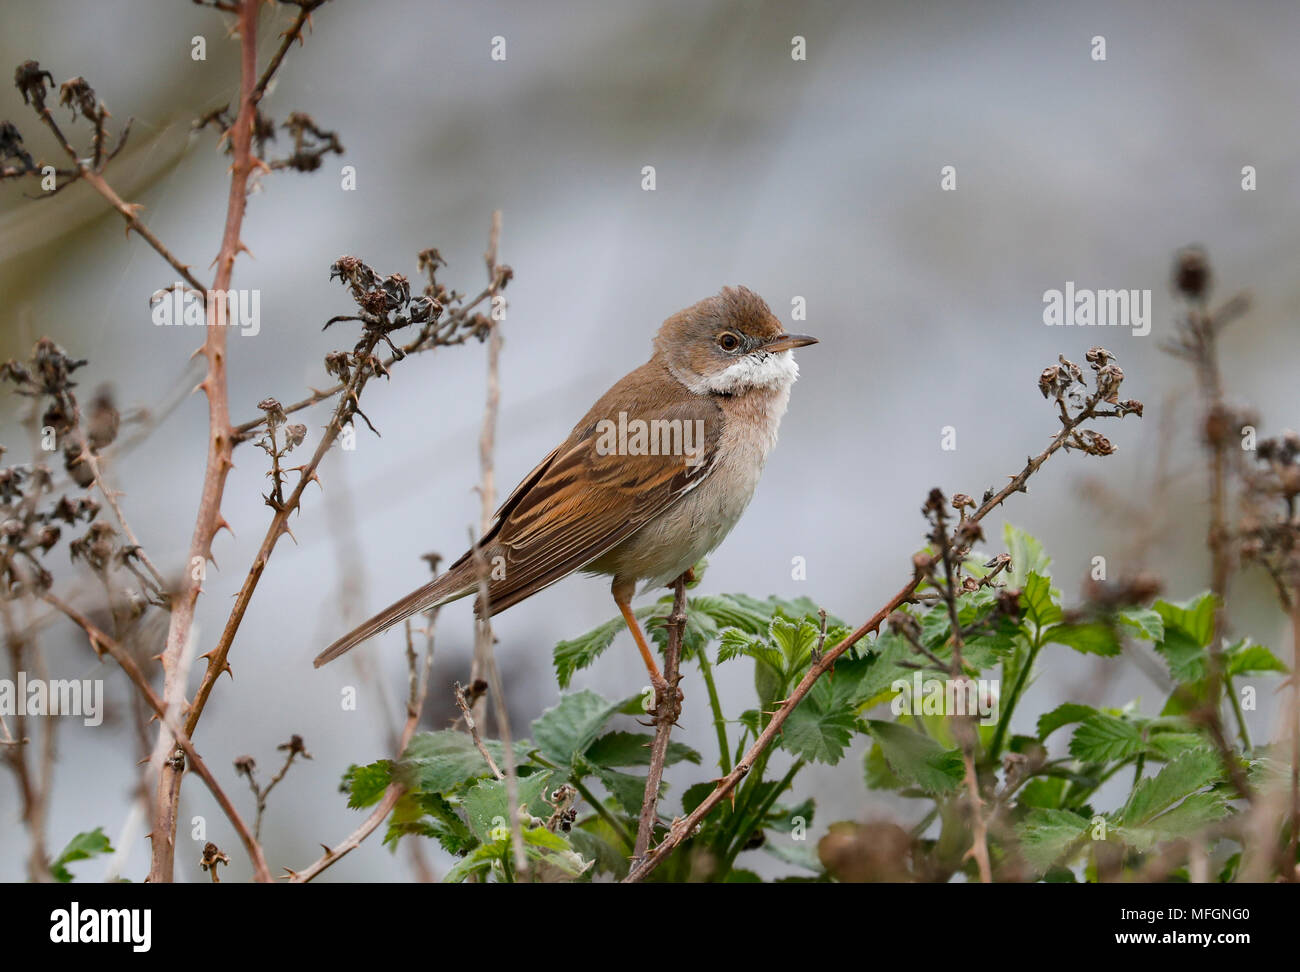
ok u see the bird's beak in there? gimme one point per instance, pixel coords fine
(784, 342)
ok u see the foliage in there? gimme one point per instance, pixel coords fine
(1050, 821)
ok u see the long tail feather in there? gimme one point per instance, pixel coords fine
(450, 586)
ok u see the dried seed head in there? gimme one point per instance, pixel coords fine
(1192, 273)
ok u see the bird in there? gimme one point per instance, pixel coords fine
(650, 480)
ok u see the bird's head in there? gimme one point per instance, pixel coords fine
(729, 344)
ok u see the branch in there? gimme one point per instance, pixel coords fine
(668, 707)
(102, 643)
(684, 827)
(209, 519)
(419, 690)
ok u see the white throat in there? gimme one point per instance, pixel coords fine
(760, 369)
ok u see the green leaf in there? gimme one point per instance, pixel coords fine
(488, 808)
(916, 758)
(82, 847)
(1185, 657)
(365, 785)
(1196, 812)
(478, 861)
(1246, 656)
(1102, 738)
(819, 729)
(595, 841)
(564, 731)
(796, 640)
(1188, 773)
(430, 815)
(1063, 715)
(1042, 791)
(1027, 556)
(1046, 835)
(1037, 601)
(633, 749)
(626, 789)
(1194, 616)
(437, 762)
(1171, 745)
(736, 643)
(1149, 624)
(573, 656)
(1091, 638)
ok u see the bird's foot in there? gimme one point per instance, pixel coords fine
(668, 701)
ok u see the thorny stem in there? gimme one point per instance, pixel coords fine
(667, 708)
(684, 827)
(101, 643)
(209, 520)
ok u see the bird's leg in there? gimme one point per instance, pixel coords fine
(622, 589)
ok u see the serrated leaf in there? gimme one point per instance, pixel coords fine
(1170, 745)
(1185, 657)
(916, 758)
(573, 656)
(365, 785)
(82, 847)
(564, 731)
(796, 640)
(1101, 738)
(430, 815)
(1091, 638)
(477, 861)
(1182, 776)
(1149, 624)
(633, 749)
(1063, 715)
(1037, 602)
(1246, 656)
(627, 790)
(1194, 616)
(487, 804)
(819, 729)
(438, 762)
(736, 643)
(1046, 835)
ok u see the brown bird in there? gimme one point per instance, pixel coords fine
(651, 479)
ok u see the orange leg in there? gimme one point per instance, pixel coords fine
(622, 590)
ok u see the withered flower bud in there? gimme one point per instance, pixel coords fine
(1192, 273)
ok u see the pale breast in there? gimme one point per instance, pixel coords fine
(699, 520)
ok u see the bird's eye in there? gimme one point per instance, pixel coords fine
(728, 341)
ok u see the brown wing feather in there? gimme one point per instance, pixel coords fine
(579, 503)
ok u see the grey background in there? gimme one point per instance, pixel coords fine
(816, 178)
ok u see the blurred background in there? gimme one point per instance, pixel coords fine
(817, 179)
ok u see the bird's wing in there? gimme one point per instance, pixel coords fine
(584, 498)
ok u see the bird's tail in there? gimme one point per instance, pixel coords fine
(454, 584)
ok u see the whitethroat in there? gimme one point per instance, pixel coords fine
(650, 480)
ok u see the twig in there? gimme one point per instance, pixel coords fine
(485, 664)
(667, 709)
(101, 643)
(209, 519)
(684, 827)
(467, 713)
(418, 691)
(964, 725)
